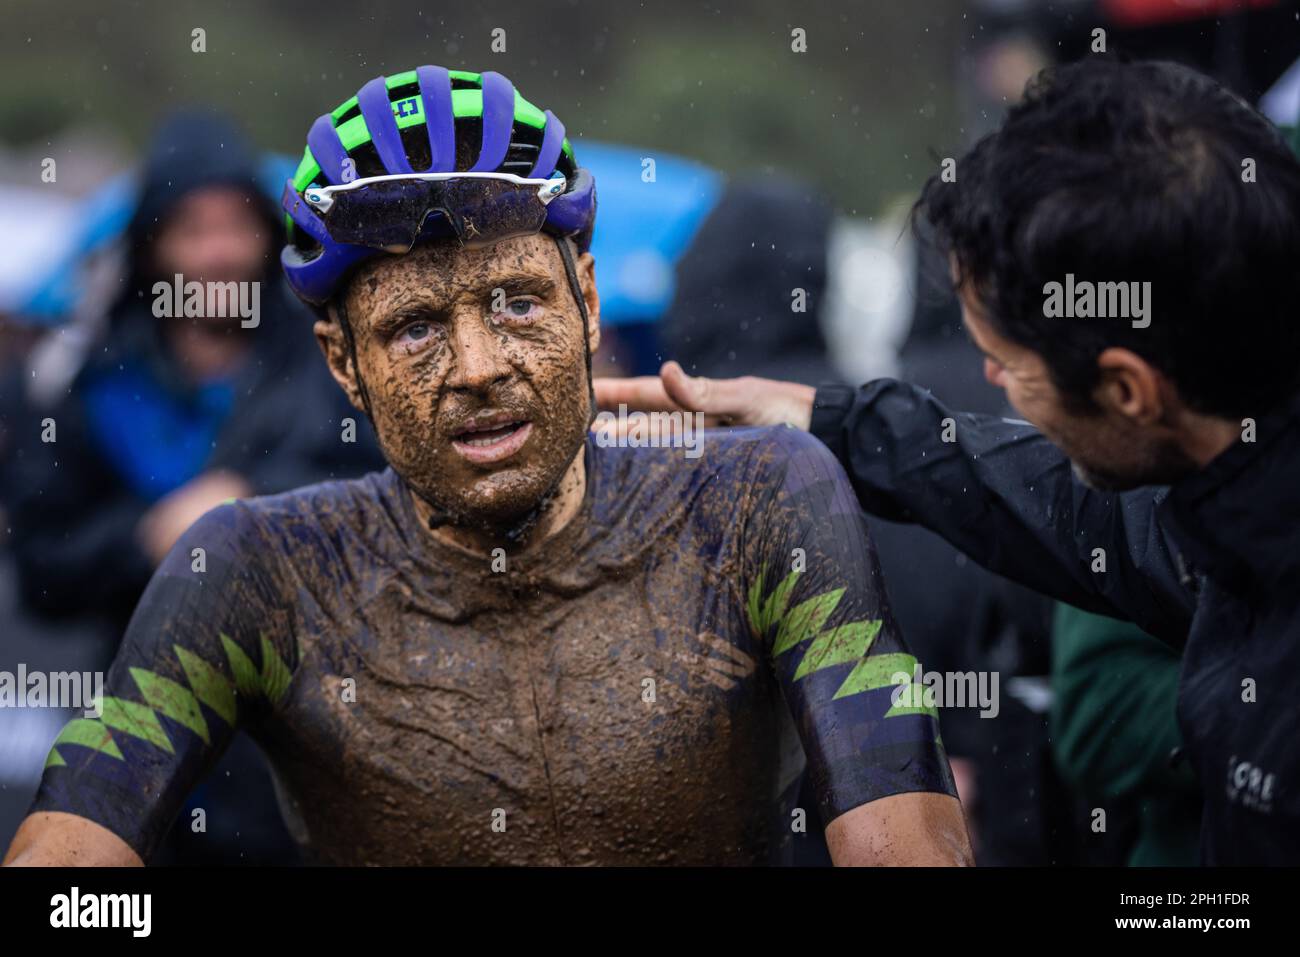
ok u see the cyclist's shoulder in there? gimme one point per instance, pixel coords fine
(325, 500)
(778, 453)
(786, 438)
(325, 510)
(709, 450)
(715, 472)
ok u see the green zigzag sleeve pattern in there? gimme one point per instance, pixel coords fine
(815, 600)
(206, 653)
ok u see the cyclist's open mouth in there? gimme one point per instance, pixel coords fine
(491, 439)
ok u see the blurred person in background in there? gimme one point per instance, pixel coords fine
(170, 416)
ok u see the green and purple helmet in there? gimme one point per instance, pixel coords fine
(376, 153)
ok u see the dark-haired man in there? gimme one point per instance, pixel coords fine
(1115, 172)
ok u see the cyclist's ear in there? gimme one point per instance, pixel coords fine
(333, 344)
(585, 267)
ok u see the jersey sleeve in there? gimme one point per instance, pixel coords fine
(207, 652)
(816, 602)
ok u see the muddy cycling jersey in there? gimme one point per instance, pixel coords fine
(634, 689)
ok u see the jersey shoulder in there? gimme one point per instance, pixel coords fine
(719, 456)
(329, 504)
(717, 490)
(337, 512)
(783, 463)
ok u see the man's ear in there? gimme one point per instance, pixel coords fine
(334, 345)
(1131, 387)
(586, 269)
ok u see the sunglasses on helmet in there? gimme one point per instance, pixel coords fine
(394, 212)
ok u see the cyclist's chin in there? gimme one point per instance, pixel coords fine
(496, 499)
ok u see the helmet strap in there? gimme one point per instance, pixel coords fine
(571, 271)
(352, 356)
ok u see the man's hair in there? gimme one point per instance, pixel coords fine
(1136, 172)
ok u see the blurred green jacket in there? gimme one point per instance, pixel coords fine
(1114, 734)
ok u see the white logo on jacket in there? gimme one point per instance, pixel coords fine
(1250, 785)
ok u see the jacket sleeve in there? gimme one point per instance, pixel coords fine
(1007, 497)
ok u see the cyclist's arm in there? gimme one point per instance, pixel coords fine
(202, 657)
(816, 601)
(908, 830)
(56, 839)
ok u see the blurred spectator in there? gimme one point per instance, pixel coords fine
(160, 419)
(646, 225)
(750, 288)
(171, 416)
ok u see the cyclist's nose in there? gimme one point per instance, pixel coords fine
(477, 356)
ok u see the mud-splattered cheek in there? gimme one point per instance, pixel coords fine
(554, 369)
(405, 406)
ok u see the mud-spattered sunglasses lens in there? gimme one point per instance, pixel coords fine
(394, 214)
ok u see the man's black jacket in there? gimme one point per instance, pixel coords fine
(1211, 565)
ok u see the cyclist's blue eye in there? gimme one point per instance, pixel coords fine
(518, 309)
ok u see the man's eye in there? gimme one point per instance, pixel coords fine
(416, 331)
(520, 309)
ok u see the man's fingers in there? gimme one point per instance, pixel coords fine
(640, 394)
(721, 398)
(723, 401)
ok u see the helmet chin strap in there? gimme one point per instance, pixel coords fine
(439, 516)
(571, 271)
(352, 357)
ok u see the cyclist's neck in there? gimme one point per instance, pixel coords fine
(558, 510)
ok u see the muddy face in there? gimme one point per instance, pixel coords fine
(474, 366)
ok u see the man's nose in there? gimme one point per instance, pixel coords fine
(478, 359)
